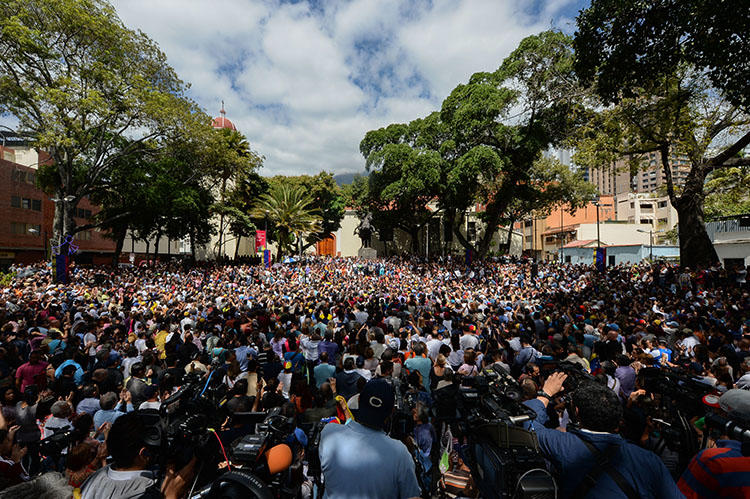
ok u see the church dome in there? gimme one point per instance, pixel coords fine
(222, 121)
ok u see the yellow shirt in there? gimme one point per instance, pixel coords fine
(160, 339)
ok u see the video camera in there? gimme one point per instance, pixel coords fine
(504, 457)
(261, 463)
(679, 398)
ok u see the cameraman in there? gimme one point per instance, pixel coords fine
(128, 476)
(595, 461)
(359, 460)
(724, 470)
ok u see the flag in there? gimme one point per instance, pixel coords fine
(260, 239)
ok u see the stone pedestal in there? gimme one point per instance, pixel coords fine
(367, 253)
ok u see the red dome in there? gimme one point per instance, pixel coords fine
(222, 122)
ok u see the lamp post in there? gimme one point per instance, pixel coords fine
(598, 234)
(650, 233)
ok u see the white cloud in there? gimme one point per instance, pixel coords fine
(305, 82)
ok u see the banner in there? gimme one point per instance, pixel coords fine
(61, 269)
(600, 258)
(267, 258)
(260, 239)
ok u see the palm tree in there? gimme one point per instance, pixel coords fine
(239, 162)
(290, 210)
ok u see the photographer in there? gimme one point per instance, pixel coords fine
(595, 461)
(128, 476)
(724, 470)
(359, 460)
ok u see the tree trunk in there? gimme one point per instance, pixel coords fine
(493, 217)
(414, 234)
(192, 246)
(237, 247)
(696, 249)
(119, 243)
(509, 239)
(156, 248)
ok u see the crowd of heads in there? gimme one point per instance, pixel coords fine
(112, 341)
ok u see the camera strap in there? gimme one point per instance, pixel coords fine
(603, 465)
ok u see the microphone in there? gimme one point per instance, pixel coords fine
(278, 458)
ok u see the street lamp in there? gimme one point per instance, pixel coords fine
(650, 233)
(598, 235)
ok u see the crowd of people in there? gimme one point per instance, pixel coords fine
(323, 339)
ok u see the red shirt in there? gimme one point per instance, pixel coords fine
(32, 374)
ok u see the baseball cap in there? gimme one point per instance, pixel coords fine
(375, 403)
(736, 402)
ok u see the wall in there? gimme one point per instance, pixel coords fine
(615, 233)
(629, 254)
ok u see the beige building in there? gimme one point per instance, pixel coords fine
(648, 208)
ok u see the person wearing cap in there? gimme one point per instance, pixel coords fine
(359, 460)
(724, 470)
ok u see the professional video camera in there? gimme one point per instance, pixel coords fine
(179, 430)
(504, 458)
(261, 463)
(679, 398)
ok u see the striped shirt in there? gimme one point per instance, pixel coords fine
(719, 472)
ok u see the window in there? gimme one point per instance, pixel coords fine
(567, 258)
(662, 221)
(23, 229)
(84, 236)
(26, 203)
(15, 201)
(31, 178)
(662, 204)
(647, 206)
(647, 221)
(36, 204)
(611, 259)
(472, 231)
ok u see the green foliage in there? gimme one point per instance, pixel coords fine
(79, 81)
(290, 210)
(728, 192)
(629, 45)
(327, 197)
(648, 58)
(6, 279)
(484, 146)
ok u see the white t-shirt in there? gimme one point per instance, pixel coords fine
(87, 338)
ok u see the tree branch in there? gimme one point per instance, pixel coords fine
(721, 159)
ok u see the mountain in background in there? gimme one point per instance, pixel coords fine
(347, 178)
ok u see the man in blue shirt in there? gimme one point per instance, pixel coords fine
(359, 460)
(324, 370)
(420, 363)
(109, 413)
(577, 454)
(78, 376)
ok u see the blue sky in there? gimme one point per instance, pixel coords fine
(305, 80)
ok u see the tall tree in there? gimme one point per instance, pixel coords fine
(233, 161)
(676, 75)
(290, 210)
(327, 199)
(403, 180)
(625, 45)
(78, 81)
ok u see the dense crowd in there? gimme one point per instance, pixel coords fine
(315, 338)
